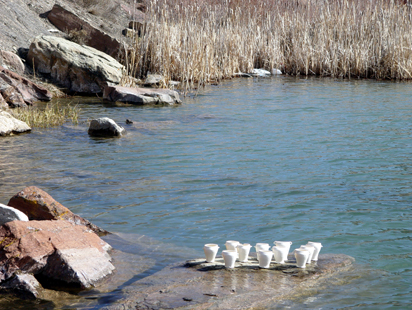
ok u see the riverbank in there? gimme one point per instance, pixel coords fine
(204, 42)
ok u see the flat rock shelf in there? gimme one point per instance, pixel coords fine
(196, 284)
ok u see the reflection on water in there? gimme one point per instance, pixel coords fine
(252, 159)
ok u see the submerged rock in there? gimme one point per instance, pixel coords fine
(105, 127)
(57, 250)
(9, 214)
(79, 68)
(141, 96)
(9, 124)
(200, 285)
(39, 205)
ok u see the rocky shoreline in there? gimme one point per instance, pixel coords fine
(78, 48)
(45, 247)
(195, 284)
(69, 48)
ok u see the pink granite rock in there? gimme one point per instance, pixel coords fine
(39, 205)
(58, 250)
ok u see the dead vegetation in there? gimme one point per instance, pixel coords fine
(197, 42)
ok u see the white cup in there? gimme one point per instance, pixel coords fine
(210, 250)
(301, 256)
(318, 246)
(243, 250)
(311, 250)
(285, 244)
(280, 253)
(261, 247)
(230, 257)
(265, 257)
(231, 245)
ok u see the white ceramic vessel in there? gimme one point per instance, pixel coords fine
(210, 250)
(231, 245)
(261, 247)
(311, 250)
(301, 256)
(285, 244)
(230, 256)
(265, 257)
(243, 250)
(318, 246)
(280, 254)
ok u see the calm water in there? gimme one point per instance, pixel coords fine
(254, 160)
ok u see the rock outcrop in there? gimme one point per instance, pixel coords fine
(105, 127)
(141, 96)
(19, 91)
(39, 205)
(55, 250)
(9, 214)
(10, 125)
(200, 285)
(11, 61)
(69, 22)
(3, 103)
(22, 20)
(22, 285)
(78, 68)
(10, 95)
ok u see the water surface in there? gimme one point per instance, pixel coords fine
(254, 160)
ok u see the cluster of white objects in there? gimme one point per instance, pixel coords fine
(235, 250)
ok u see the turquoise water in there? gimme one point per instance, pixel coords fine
(254, 160)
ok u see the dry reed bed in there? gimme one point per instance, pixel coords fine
(202, 41)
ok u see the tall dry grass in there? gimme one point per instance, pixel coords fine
(197, 42)
(52, 115)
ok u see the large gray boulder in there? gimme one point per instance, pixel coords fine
(105, 127)
(8, 214)
(79, 68)
(141, 96)
(10, 125)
